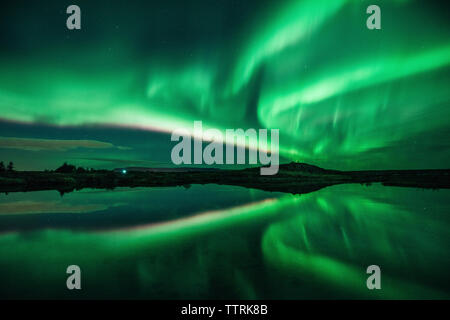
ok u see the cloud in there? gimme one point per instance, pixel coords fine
(28, 207)
(31, 144)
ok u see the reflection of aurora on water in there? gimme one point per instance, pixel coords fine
(336, 237)
(342, 96)
(322, 241)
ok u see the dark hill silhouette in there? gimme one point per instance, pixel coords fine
(293, 178)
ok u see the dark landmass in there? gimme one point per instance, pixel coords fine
(296, 178)
(176, 169)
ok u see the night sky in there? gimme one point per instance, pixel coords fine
(110, 94)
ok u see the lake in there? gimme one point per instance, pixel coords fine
(224, 242)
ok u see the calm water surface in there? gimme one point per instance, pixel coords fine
(226, 242)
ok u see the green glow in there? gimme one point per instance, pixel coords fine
(339, 232)
(291, 24)
(338, 92)
(322, 242)
(342, 96)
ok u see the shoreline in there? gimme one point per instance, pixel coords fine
(292, 178)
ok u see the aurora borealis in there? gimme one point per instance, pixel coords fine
(110, 95)
(343, 96)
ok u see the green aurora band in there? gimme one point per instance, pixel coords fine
(342, 96)
(322, 236)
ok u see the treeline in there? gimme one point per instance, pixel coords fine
(65, 168)
(69, 168)
(9, 167)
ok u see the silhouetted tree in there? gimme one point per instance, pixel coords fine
(2, 167)
(10, 166)
(66, 168)
(81, 170)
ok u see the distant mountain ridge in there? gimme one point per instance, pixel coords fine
(292, 166)
(304, 167)
(148, 169)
